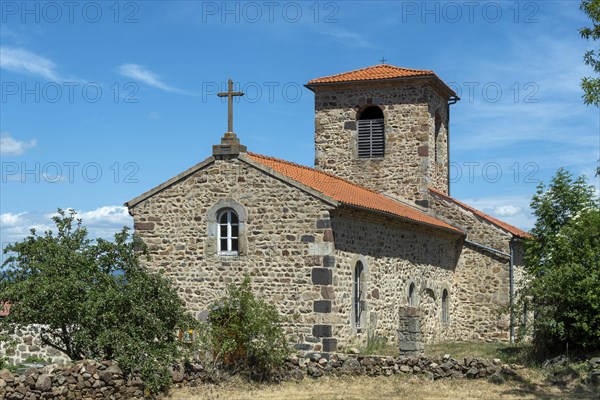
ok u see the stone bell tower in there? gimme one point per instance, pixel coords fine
(385, 128)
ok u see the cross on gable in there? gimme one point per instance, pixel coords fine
(230, 94)
(383, 60)
(230, 145)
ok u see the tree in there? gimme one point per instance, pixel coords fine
(94, 299)
(563, 266)
(591, 86)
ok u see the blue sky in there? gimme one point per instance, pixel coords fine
(101, 101)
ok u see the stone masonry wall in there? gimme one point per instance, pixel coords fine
(302, 253)
(477, 229)
(287, 242)
(25, 343)
(394, 254)
(410, 164)
(482, 301)
(483, 307)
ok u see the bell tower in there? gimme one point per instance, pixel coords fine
(385, 128)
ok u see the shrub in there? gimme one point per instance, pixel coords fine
(245, 333)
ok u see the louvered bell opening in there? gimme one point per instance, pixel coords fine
(371, 138)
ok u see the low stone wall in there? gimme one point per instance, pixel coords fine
(85, 380)
(433, 367)
(26, 343)
(91, 379)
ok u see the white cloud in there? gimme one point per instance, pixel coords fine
(10, 219)
(102, 222)
(12, 147)
(141, 73)
(507, 210)
(106, 215)
(25, 62)
(153, 115)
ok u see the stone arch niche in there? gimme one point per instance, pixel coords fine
(429, 315)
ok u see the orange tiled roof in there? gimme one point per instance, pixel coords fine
(347, 192)
(501, 224)
(381, 71)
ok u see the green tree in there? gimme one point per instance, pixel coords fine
(94, 299)
(563, 266)
(590, 85)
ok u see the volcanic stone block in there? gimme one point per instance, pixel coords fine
(322, 306)
(321, 276)
(322, 330)
(330, 345)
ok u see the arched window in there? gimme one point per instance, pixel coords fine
(371, 134)
(445, 308)
(359, 293)
(228, 232)
(412, 296)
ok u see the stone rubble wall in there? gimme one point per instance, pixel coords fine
(409, 166)
(394, 253)
(84, 380)
(91, 379)
(482, 276)
(287, 238)
(26, 343)
(433, 367)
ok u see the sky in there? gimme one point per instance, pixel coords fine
(102, 101)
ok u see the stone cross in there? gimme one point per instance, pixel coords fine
(230, 94)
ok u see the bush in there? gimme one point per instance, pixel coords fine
(245, 333)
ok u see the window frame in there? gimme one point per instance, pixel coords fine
(359, 303)
(445, 299)
(370, 135)
(412, 296)
(230, 237)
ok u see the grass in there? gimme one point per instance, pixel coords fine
(509, 354)
(528, 385)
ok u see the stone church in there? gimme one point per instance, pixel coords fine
(349, 248)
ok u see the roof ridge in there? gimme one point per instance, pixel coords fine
(320, 172)
(397, 67)
(496, 221)
(428, 71)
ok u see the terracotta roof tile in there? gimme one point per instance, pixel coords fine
(375, 72)
(347, 192)
(501, 224)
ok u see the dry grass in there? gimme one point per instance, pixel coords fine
(527, 385)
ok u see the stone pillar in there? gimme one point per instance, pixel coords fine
(410, 337)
